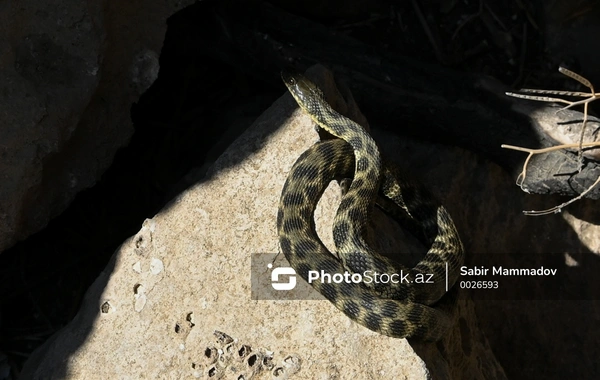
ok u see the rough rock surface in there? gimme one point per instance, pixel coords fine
(175, 301)
(69, 72)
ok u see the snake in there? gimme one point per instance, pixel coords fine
(416, 307)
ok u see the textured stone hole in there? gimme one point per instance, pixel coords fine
(252, 360)
(190, 319)
(278, 371)
(267, 362)
(177, 328)
(211, 355)
(244, 350)
(291, 360)
(212, 372)
(105, 308)
(292, 363)
(223, 338)
(139, 241)
(241, 377)
(138, 288)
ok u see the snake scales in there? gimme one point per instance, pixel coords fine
(406, 309)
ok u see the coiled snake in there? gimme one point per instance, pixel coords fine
(407, 309)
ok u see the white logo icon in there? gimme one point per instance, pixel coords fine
(291, 284)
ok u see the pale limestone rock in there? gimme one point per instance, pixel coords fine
(141, 322)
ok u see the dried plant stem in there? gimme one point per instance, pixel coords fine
(589, 97)
(557, 209)
(543, 150)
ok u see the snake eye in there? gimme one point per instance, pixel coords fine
(288, 78)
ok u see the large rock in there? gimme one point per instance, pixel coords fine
(175, 300)
(69, 72)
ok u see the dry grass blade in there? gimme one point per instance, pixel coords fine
(540, 98)
(577, 77)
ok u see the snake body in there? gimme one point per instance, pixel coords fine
(397, 310)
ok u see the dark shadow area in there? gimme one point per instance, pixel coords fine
(526, 318)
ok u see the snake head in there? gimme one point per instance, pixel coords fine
(302, 89)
